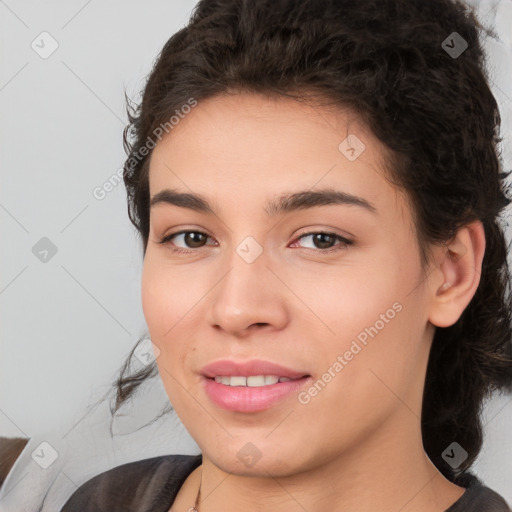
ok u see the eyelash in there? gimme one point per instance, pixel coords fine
(345, 241)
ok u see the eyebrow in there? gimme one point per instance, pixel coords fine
(286, 203)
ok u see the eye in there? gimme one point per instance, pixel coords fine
(196, 240)
(324, 239)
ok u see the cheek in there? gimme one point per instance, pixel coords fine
(380, 348)
(172, 307)
(165, 313)
(348, 299)
(368, 316)
(164, 293)
(152, 294)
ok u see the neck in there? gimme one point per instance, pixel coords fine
(384, 471)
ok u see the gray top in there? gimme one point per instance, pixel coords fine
(151, 485)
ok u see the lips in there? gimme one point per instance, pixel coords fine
(250, 368)
(240, 397)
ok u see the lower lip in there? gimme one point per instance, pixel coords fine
(251, 399)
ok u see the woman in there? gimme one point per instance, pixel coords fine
(318, 191)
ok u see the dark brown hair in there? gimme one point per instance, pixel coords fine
(432, 109)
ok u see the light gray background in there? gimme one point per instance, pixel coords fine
(67, 324)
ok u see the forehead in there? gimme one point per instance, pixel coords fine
(278, 117)
(249, 145)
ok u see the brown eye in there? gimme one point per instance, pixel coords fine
(191, 239)
(194, 239)
(323, 242)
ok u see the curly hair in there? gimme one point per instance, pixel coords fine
(434, 111)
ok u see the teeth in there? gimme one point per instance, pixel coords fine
(237, 381)
(251, 381)
(223, 380)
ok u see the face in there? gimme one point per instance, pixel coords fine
(329, 288)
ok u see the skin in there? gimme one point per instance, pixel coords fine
(357, 444)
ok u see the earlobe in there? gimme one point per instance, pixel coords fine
(459, 268)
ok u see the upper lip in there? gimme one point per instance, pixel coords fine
(227, 367)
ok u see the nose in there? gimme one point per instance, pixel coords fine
(250, 296)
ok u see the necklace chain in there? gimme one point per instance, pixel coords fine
(195, 508)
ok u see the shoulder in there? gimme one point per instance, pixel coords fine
(148, 484)
(478, 497)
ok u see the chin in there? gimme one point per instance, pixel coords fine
(274, 466)
(259, 458)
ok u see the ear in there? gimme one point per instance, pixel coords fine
(455, 279)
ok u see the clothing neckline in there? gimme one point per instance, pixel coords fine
(468, 480)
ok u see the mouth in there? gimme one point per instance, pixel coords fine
(251, 386)
(253, 369)
(252, 381)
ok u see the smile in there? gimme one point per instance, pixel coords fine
(253, 393)
(252, 381)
